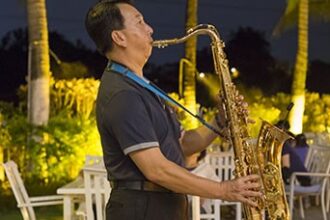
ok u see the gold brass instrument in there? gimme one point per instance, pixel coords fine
(263, 159)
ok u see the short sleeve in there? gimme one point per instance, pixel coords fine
(286, 148)
(126, 116)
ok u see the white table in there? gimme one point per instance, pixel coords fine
(76, 190)
(71, 192)
(97, 190)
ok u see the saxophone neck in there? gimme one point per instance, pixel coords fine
(194, 31)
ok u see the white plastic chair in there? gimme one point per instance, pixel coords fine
(95, 162)
(97, 191)
(318, 166)
(24, 202)
(223, 166)
(318, 138)
(205, 170)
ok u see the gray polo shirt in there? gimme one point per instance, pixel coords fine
(131, 118)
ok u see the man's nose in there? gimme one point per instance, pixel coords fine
(150, 30)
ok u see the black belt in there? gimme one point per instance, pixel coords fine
(137, 185)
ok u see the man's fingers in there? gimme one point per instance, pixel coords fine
(252, 193)
(252, 177)
(254, 185)
(249, 201)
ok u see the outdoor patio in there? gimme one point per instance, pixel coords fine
(79, 85)
(91, 183)
(46, 213)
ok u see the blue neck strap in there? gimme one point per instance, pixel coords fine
(153, 88)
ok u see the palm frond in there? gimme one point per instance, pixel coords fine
(288, 19)
(319, 10)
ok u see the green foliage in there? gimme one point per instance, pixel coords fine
(261, 111)
(317, 118)
(48, 156)
(47, 153)
(207, 113)
(249, 52)
(69, 70)
(272, 109)
(75, 96)
(4, 134)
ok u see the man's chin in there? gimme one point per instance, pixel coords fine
(149, 54)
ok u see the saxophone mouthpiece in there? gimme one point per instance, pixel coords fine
(159, 43)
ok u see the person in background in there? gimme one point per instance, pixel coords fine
(301, 147)
(291, 162)
(140, 135)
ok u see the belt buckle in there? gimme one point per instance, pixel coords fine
(147, 186)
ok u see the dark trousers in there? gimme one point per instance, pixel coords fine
(144, 205)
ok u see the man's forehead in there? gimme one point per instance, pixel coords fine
(129, 11)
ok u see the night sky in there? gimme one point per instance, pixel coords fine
(167, 17)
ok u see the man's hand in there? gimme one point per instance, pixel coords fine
(244, 189)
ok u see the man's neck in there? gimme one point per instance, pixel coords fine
(131, 64)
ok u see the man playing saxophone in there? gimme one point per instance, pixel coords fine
(142, 144)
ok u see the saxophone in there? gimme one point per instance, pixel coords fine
(263, 158)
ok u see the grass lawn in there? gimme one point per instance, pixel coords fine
(42, 213)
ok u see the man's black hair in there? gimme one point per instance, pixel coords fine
(101, 19)
(301, 140)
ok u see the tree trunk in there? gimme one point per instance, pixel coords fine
(38, 65)
(2, 171)
(189, 93)
(300, 71)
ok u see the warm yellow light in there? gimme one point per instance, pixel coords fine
(234, 72)
(189, 93)
(201, 75)
(211, 82)
(297, 113)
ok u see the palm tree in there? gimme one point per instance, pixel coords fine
(298, 11)
(189, 92)
(38, 65)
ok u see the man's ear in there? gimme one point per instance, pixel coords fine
(118, 38)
